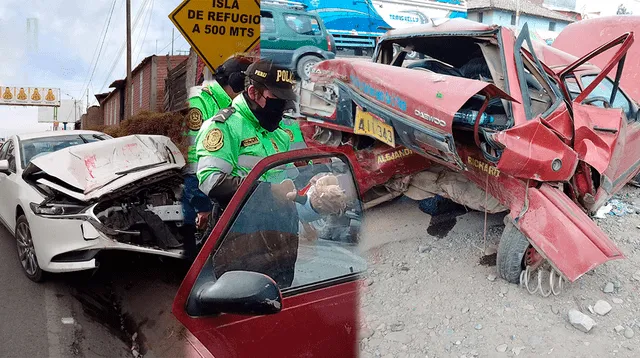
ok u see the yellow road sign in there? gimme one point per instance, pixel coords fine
(218, 29)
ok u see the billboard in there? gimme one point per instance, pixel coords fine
(29, 96)
(69, 112)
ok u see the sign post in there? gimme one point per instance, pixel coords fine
(218, 29)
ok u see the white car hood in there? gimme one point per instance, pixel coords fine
(89, 171)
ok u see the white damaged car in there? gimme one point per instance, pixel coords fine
(68, 195)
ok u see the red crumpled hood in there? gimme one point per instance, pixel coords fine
(409, 91)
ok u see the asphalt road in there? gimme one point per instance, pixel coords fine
(98, 314)
(45, 320)
(23, 317)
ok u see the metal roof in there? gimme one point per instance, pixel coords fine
(450, 26)
(526, 7)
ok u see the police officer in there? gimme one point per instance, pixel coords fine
(238, 137)
(228, 147)
(204, 102)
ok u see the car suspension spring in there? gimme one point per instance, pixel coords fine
(544, 274)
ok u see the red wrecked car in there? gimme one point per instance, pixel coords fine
(479, 118)
(492, 121)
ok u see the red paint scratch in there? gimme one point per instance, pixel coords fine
(90, 163)
(130, 146)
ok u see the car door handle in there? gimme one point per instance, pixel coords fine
(273, 38)
(608, 130)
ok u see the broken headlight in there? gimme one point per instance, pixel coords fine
(56, 209)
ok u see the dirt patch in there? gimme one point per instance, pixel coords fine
(449, 302)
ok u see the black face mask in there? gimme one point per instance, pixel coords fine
(270, 116)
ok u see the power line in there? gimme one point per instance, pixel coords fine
(93, 57)
(117, 19)
(122, 47)
(101, 46)
(145, 31)
(169, 44)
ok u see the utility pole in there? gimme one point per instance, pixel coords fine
(127, 99)
(172, 30)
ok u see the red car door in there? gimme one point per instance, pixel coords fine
(602, 132)
(265, 285)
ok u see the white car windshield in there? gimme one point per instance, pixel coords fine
(32, 148)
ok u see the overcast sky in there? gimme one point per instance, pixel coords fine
(67, 41)
(608, 7)
(69, 35)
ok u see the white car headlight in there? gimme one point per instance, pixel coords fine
(56, 209)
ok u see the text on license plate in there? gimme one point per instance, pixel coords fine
(368, 125)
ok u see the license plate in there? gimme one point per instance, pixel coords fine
(368, 125)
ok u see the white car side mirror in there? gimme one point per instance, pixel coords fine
(4, 166)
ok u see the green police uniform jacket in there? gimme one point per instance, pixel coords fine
(204, 103)
(232, 143)
(293, 129)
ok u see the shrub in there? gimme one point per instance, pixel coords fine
(168, 124)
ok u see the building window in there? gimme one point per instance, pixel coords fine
(513, 19)
(141, 77)
(131, 99)
(480, 17)
(552, 26)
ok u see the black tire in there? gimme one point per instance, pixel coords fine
(511, 249)
(26, 251)
(304, 66)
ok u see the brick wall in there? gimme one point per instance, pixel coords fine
(162, 75)
(92, 118)
(147, 83)
(142, 89)
(111, 108)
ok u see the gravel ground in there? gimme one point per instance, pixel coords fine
(428, 295)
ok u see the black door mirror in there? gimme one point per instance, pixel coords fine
(4, 166)
(240, 292)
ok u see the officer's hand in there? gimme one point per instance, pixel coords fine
(285, 191)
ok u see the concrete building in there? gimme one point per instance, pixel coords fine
(147, 89)
(542, 20)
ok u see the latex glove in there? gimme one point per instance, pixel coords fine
(285, 191)
(327, 197)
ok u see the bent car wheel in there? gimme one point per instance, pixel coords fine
(26, 251)
(305, 65)
(511, 250)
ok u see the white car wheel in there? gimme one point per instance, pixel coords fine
(26, 251)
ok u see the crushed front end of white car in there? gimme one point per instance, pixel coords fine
(121, 194)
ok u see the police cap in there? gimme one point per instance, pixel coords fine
(278, 80)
